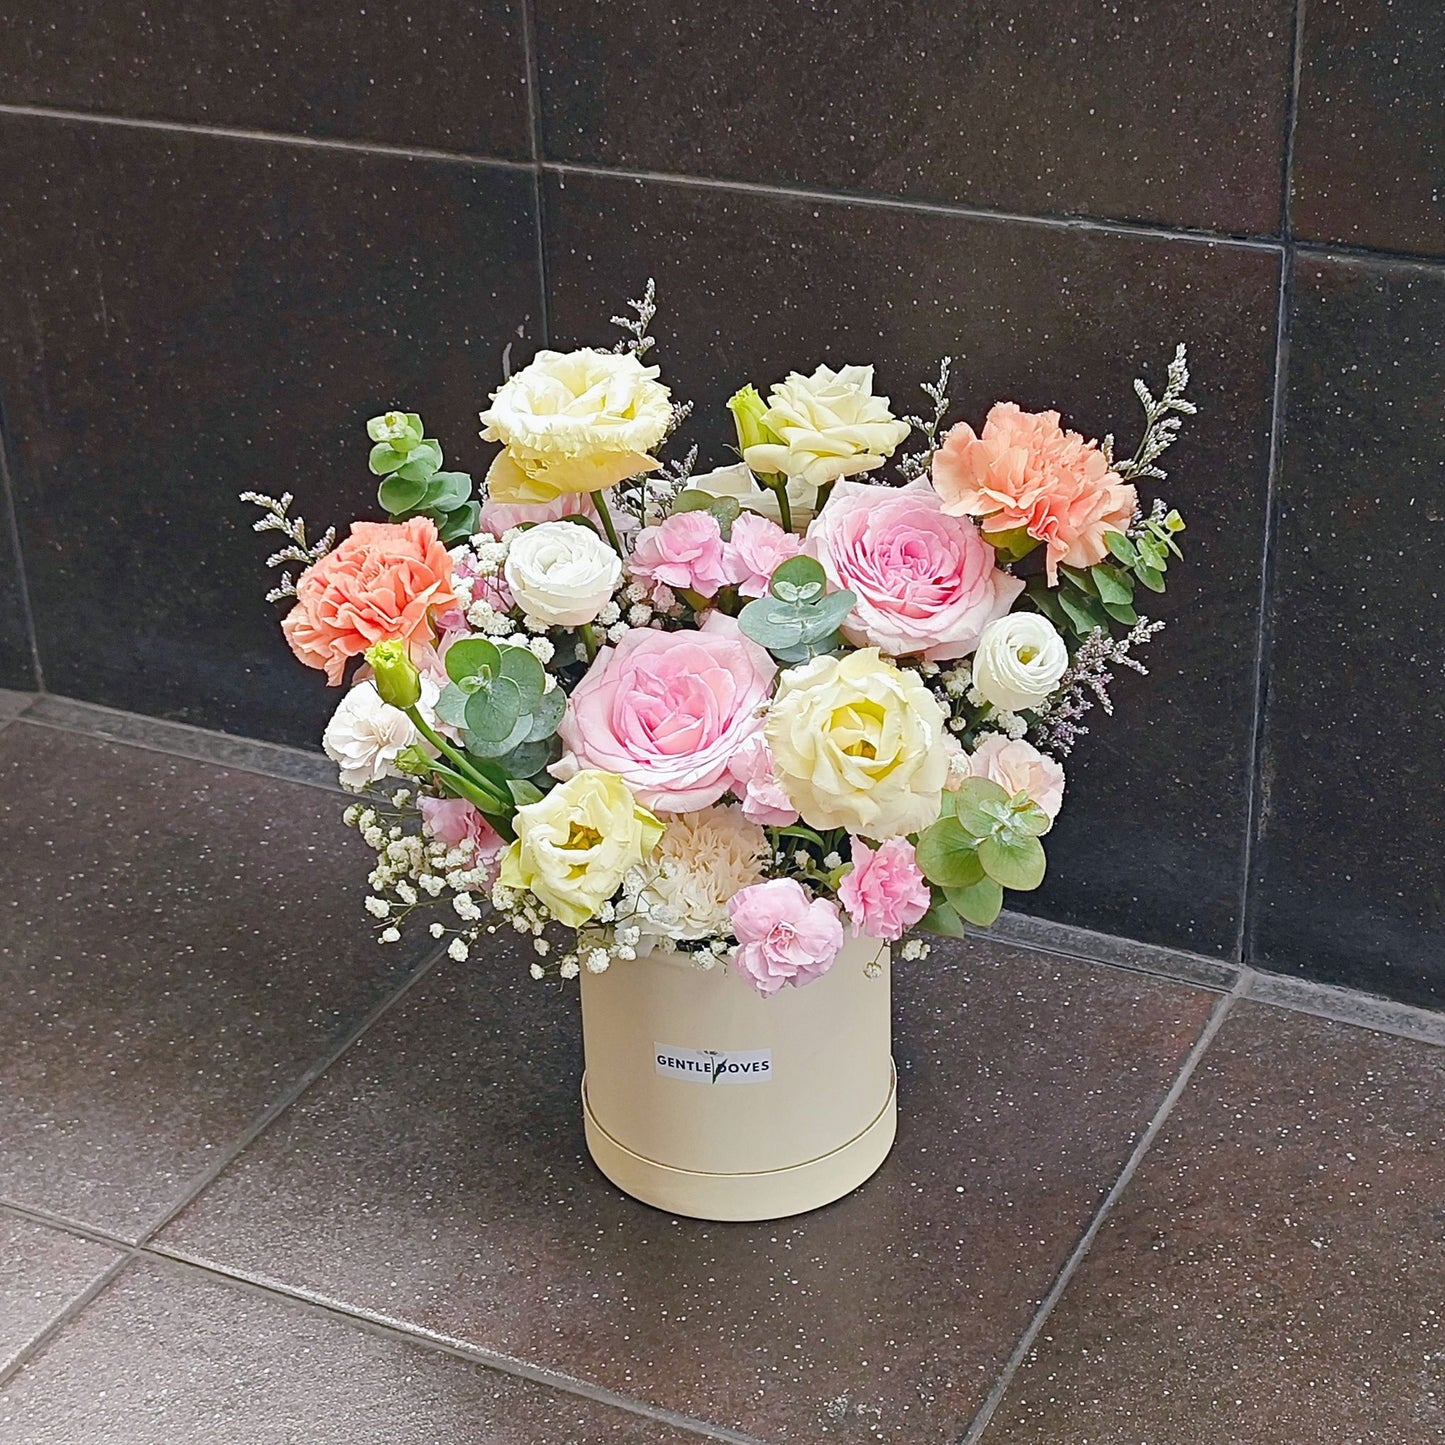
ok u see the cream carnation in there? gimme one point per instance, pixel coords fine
(704, 858)
(575, 421)
(830, 425)
(562, 573)
(859, 744)
(1019, 661)
(365, 735)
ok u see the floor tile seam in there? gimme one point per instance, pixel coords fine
(54, 1326)
(297, 1090)
(1161, 971)
(63, 1224)
(1312, 999)
(200, 753)
(979, 1425)
(508, 1365)
(479, 159)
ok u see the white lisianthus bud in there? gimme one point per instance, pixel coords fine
(1019, 661)
(562, 573)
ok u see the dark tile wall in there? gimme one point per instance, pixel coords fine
(218, 265)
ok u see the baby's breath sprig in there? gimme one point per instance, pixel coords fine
(637, 341)
(278, 519)
(916, 463)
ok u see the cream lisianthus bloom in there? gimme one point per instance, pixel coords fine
(561, 573)
(574, 421)
(830, 425)
(859, 744)
(1019, 661)
(574, 847)
(704, 858)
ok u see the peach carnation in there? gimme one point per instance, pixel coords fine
(1027, 472)
(379, 584)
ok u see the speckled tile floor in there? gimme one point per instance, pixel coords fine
(262, 1182)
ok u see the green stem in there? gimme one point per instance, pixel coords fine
(785, 507)
(824, 492)
(590, 640)
(481, 801)
(600, 502)
(458, 760)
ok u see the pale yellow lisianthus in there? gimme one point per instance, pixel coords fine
(575, 421)
(859, 744)
(574, 846)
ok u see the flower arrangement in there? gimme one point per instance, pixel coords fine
(822, 690)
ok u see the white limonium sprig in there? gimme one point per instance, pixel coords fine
(915, 464)
(1056, 727)
(278, 519)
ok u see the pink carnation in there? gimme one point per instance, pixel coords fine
(499, 517)
(885, 893)
(667, 712)
(756, 549)
(454, 821)
(925, 582)
(1019, 767)
(763, 798)
(686, 550)
(1027, 472)
(783, 935)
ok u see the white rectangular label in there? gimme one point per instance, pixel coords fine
(714, 1066)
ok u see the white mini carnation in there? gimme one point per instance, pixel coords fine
(364, 736)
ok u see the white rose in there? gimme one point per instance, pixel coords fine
(831, 426)
(365, 735)
(575, 421)
(1019, 661)
(562, 573)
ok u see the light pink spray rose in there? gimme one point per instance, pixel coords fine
(686, 550)
(1027, 472)
(667, 712)
(454, 821)
(1019, 767)
(783, 935)
(925, 582)
(763, 798)
(885, 893)
(754, 551)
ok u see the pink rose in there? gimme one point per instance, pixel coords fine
(783, 936)
(763, 798)
(1019, 767)
(925, 582)
(667, 712)
(756, 549)
(454, 821)
(885, 893)
(1027, 472)
(686, 550)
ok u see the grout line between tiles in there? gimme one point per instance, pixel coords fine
(317, 1068)
(1257, 807)
(1061, 1282)
(534, 139)
(58, 1322)
(458, 1349)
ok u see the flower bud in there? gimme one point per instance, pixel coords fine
(749, 409)
(413, 761)
(398, 683)
(401, 430)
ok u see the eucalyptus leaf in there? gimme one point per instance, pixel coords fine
(977, 803)
(452, 706)
(468, 656)
(446, 491)
(546, 714)
(1015, 862)
(524, 792)
(801, 572)
(496, 748)
(980, 905)
(521, 665)
(942, 918)
(493, 714)
(397, 495)
(834, 609)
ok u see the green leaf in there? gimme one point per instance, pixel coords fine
(461, 523)
(1013, 545)
(1081, 579)
(980, 905)
(942, 918)
(1121, 547)
(723, 510)
(493, 713)
(1112, 586)
(546, 714)
(469, 655)
(446, 491)
(1126, 615)
(1014, 862)
(1153, 554)
(1084, 613)
(521, 666)
(1047, 603)
(803, 573)
(385, 458)
(1150, 577)
(804, 834)
(421, 462)
(495, 749)
(524, 792)
(398, 495)
(977, 804)
(948, 855)
(832, 611)
(452, 706)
